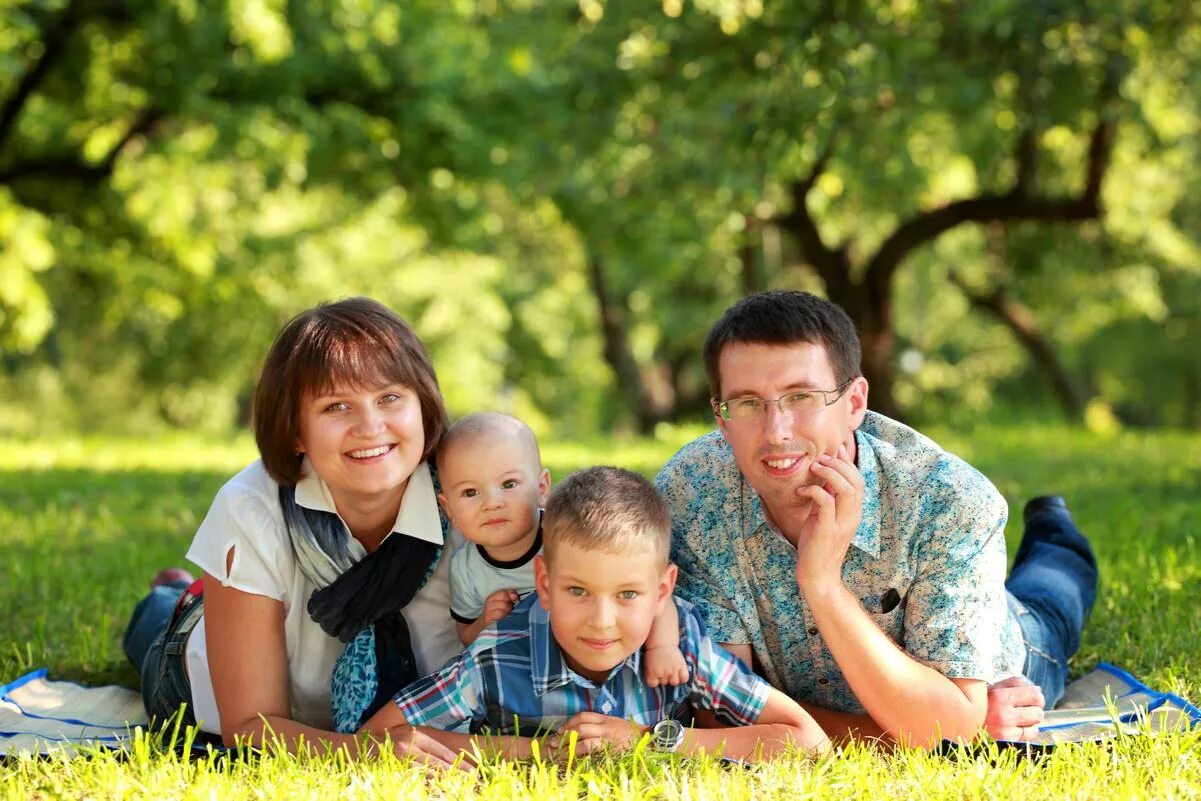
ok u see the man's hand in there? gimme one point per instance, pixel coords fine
(498, 605)
(664, 664)
(1015, 709)
(835, 509)
(596, 731)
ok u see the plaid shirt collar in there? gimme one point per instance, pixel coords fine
(548, 669)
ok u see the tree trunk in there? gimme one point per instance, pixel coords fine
(630, 380)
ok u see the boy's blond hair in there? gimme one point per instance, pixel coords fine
(607, 509)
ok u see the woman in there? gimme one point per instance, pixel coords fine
(334, 528)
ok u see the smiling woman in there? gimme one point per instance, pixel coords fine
(336, 527)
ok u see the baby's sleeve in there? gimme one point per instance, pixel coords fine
(466, 605)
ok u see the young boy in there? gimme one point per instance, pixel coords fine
(493, 488)
(569, 659)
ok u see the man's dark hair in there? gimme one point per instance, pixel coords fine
(784, 318)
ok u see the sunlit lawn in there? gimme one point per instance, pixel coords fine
(83, 525)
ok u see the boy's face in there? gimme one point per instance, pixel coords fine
(492, 487)
(601, 604)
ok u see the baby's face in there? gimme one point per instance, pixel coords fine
(492, 488)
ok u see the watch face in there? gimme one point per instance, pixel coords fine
(667, 735)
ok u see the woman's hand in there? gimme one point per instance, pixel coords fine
(410, 741)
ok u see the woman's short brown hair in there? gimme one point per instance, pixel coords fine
(357, 342)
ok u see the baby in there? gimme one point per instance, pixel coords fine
(493, 488)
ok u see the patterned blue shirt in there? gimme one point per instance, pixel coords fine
(513, 680)
(927, 563)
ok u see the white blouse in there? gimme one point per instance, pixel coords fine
(246, 518)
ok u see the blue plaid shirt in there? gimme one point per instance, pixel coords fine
(513, 680)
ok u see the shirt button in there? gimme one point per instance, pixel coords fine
(607, 707)
(813, 631)
(823, 680)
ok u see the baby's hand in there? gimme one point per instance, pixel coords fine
(664, 664)
(498, 605)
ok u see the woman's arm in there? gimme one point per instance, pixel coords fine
(248, 663)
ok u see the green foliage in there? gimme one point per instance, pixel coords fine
(178, 178)
(86, 522)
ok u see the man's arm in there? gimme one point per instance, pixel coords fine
(911, 701)
(840, 726)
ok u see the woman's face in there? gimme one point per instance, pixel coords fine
(363, 443)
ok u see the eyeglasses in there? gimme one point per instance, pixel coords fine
(803, 403)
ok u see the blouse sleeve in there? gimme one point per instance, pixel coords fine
(242, 521)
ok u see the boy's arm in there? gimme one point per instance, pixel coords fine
(843, 726)
(596, 731)
(390, 721)
(664, 662)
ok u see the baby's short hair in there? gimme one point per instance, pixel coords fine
(480, 424)
(607, 509)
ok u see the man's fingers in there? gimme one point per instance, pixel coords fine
(1013, 681)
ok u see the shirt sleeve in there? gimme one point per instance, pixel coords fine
(450, 699)
(701, 547)
(718, 680)
(957, 600)
(240, 522)
(465, 603)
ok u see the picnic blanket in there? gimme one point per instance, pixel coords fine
(38, 715)
(1108, 702)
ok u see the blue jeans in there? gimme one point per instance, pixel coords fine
(1052, 587)
(154, 641)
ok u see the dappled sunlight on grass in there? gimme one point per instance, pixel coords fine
(171, 453)
(85, 523)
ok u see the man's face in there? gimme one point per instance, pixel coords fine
(775, 449)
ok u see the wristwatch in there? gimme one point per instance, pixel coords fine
(667, 735)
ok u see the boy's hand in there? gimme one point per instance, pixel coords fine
(498, 605)
(664, 664)
(596, 731)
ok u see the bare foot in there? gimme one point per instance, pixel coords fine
(170, 574)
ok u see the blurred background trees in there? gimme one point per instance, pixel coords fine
(563, 196)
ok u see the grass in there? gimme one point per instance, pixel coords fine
(84, 523)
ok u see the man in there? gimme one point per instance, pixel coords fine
(851, 560)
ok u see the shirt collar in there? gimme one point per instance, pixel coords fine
(548, 669)
(867, 536)
(418, 516)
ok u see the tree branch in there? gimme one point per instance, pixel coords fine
(72, 167)
(832, 264)
(1021, 322)
(991, 207)
(54, 40)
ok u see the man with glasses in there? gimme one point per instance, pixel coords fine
(854, 563)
